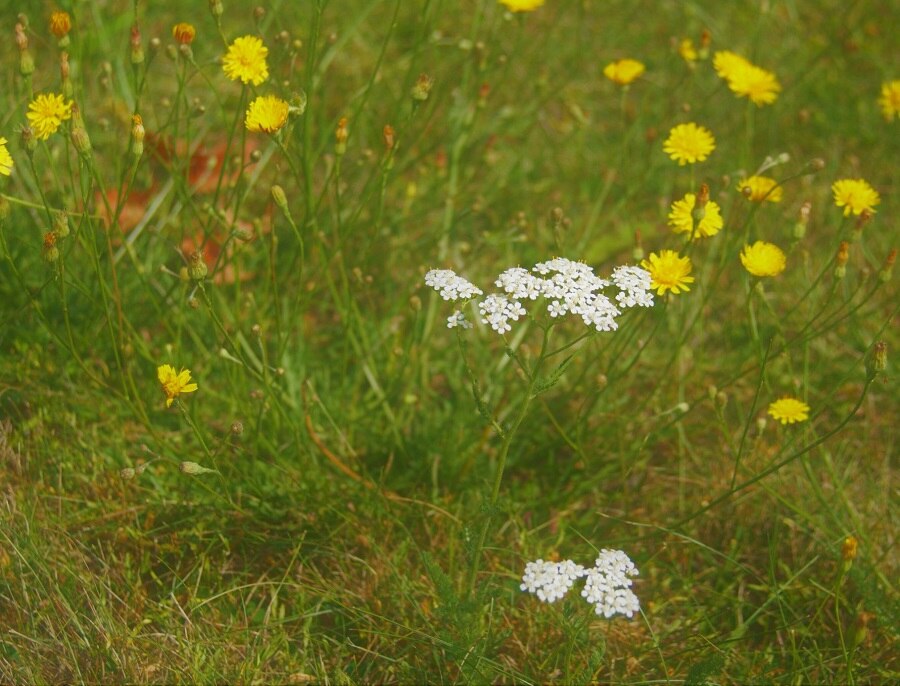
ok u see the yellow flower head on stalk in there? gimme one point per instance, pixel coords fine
(623, 71)
(174, 383)
(687, 51)
(266, 114)
(60, 23)
(789, 410)
(668, 272)
(727, 64)
(745, 79)
(46, 113)
(6, 160)
(760, 189)
(522, 5)
(855, 195)
(689, 143)
(184, 33)
(246, 60)
(681, 217)
(763, 259)
(890, 100)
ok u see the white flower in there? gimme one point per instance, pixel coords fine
(458, 319)
(550, 581)
(497, 310)
(634, 286)
(608, 587)
(520, 284)
(450, 286)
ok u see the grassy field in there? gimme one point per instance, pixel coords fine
(352, 490)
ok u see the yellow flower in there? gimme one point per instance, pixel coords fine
(184, 33)
(763, 259)
(890, 100)
(789, 410)
(174, 383)
(6, 160)
(687, 51)
(522, 5)
(46, 113)
(266, 114)
(624, 71)
(681, 218)
(855, 195)
(745, 79)
(727, 64)
(760, 188)
(60, 23)
(689, 143)
(246, 60)
(668, 271)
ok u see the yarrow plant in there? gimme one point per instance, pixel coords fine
(607, 585)
(569, 287)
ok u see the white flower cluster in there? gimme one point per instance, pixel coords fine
(570, 287)
(607, 585)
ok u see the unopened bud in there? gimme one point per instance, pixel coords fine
(184, 33)
(137, 50)
(876, 360)
(843, 254)
(216, 9)
(137, 135)
(800, 226)
(483, 92)
(415, 303)
(387, 134)
(683, 407)
(193, 468)
(864, 218)
(21, 37)
(721, 399)
(81, 141)
(237, 429)
(861, 629)
(817, 164)
(888, 269)
(48, 247)
(422, 88)
(61, 224)
(26, 63)
(761, 424)
(280, 199)
(29, 142)
(128, 473)
(849, 548)
(340, 137)
(197, 268)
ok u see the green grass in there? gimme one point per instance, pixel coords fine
(338, 539)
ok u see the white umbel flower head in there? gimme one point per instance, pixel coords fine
(498, 310)
(550, 581)
(607, 585)
(450, 286)
(634, 286)
(458, 319)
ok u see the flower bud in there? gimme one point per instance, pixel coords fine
(21, 37)
(340, 137)
(298, 103)
(721, 399)
(843, 254)
(197, 268)
(415, 303)
(237, 429)
(637, 253)
(61, 224)
(280, 199)
(80, 138)
(800, 227)
(876, 360)
(193, 468)
(888, 269)
(184, 33)
(137, 135)
(49, 249)
(864, 218)
(848, 549)
(422, 88)
(216, 9)
(137, 50)
(60, 23)
(387, 134)
(127, 474)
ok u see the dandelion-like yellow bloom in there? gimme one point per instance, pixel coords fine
(855, 195)
(246, 60)
(46, 113)
(890, 100)
(745, 79)
(763, 259)
(174, 383)
(669, 272)
(727, 64)
(689, 143)
(760, 188)
(60, 23)
(184, 33)
(6, 160)
(681, 217)
(522, 5)
(266, 114)
(623, 71)
(687, 51)
(789, 410)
